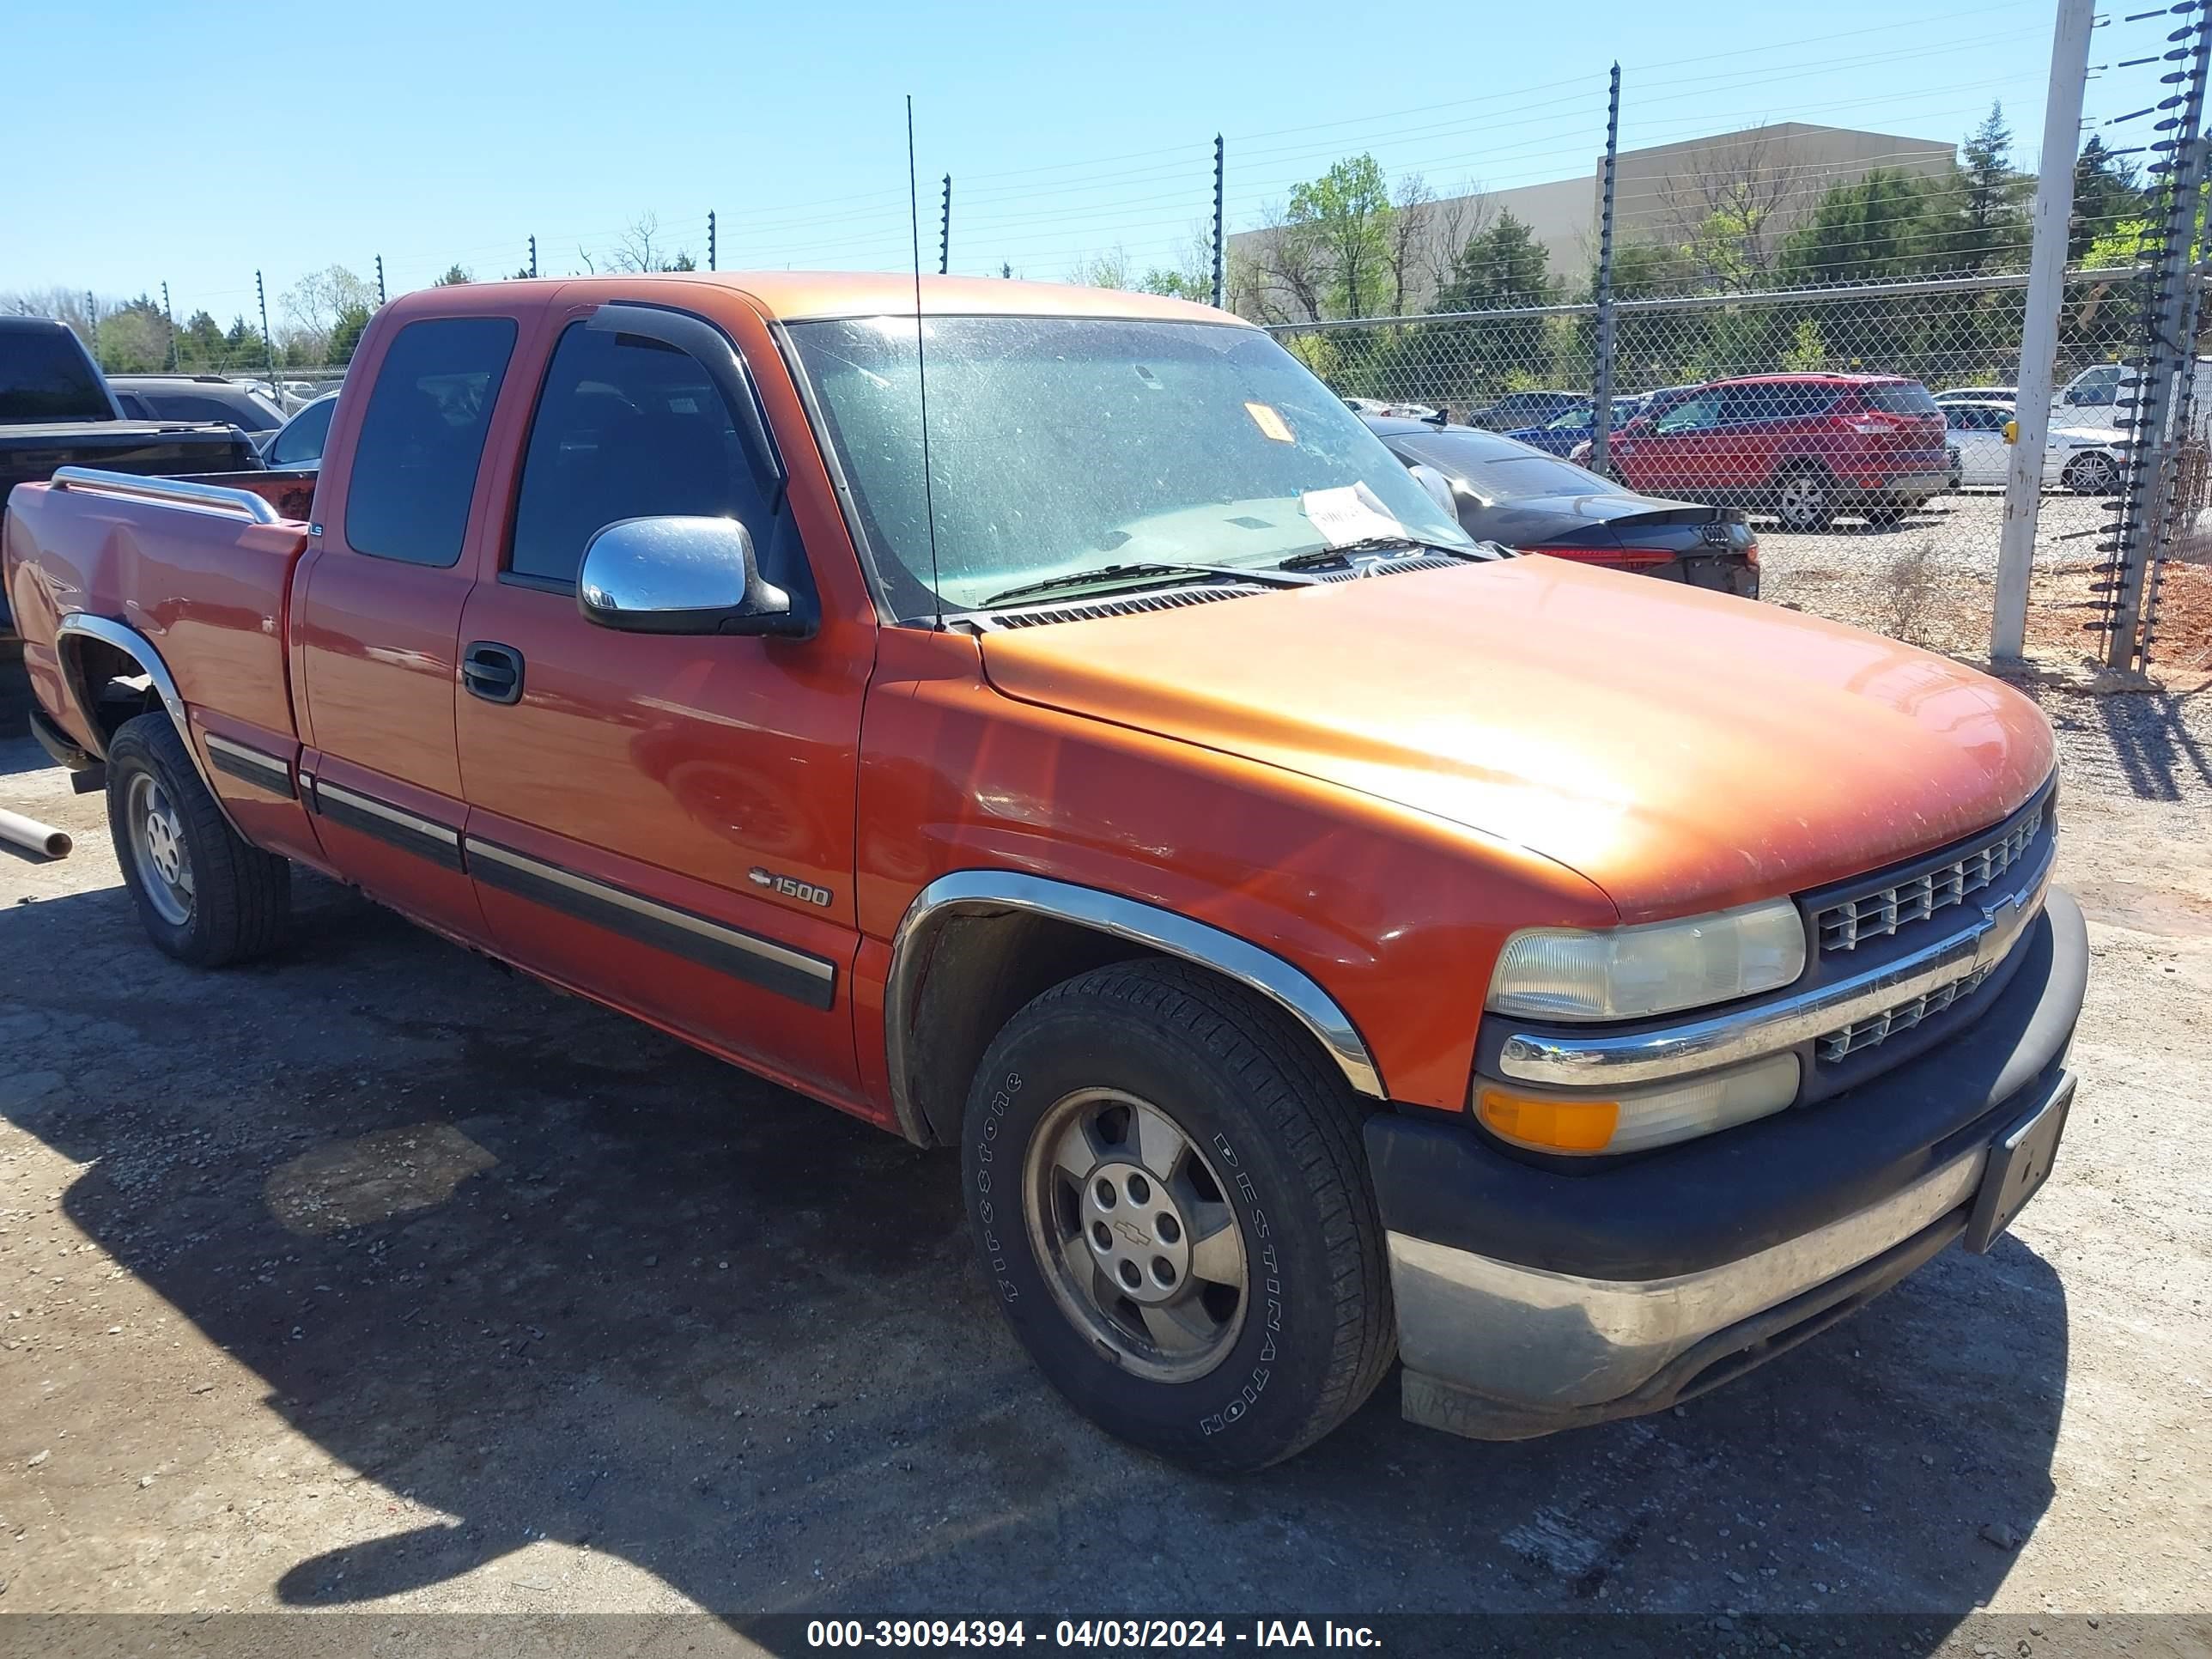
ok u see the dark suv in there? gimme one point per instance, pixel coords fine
(1802, 446)
(196, 397)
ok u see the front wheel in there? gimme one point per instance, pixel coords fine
(206, 896)
(1168, 1193)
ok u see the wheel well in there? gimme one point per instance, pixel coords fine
(113, 685)
(982, 966)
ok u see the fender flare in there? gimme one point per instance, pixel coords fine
(990, 891)
(142, 650)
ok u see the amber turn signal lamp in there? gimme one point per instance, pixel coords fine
(1558, 1125)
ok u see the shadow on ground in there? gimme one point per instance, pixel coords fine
(554, 1274)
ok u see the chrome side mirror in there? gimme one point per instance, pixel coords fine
(681, 575)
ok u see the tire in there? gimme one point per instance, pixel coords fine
(1270, 1147)
(227, 901)
(2091, 475)
(1805, 499)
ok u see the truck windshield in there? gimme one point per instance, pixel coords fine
(44, 375)
(1062, 444)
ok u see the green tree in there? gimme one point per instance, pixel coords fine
(2107, 193)
(1991, 232)
(454, 277)
(1342, 222)
(1502, 267)
(1885, 226)
(345, 334)
(200, 343)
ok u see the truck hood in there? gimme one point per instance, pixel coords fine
(1682, 749)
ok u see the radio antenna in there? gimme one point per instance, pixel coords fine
(921, 364)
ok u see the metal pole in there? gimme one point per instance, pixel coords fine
(1601, 393)
(2039, 340)
(710, 239)
(2168, 355)
(944, 230)
(379, 279)
(92, 322)
(170, 318)
(533, 256)
(267, 340)
(1220, 286)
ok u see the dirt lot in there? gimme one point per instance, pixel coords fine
(376, 1277)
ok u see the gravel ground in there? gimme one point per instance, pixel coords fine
(375, 1278)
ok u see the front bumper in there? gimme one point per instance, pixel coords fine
(1530, 1300)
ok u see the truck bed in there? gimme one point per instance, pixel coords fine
(203, 572)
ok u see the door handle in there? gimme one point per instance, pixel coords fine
(493, 672)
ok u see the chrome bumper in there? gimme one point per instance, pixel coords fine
(1499, 1351)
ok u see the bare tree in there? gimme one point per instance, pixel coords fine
(640, 248)
(1732, 207)
(1452, 222)
(1285, 277)
(311, 308)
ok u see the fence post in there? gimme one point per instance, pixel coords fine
(1219, 285)
(379, 279)
(267, 340)
(710, 239)
(170, 318)
(533, 256)
(1601, 393)
(2167, 356)
(2039, 340)
(944, 230)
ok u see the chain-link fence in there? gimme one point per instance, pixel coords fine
(1816, 407)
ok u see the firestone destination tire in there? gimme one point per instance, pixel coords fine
(1168, 1192)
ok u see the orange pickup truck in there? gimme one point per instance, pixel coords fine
(1326, 940)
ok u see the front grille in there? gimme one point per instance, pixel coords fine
(1880, 912)
(1879, 1028)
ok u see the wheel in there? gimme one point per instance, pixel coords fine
(1805, 500)
(1170, 1198)
(1882, 516)
(2091, 475)
(206, 897)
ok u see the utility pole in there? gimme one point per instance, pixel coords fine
(1601, 393)
(379, 279)
(533, 256)
(267, 340)
(170, 318)
(1219, 252)
(2039, 340)
(710, 239)
(2167, 367)
(944, 230)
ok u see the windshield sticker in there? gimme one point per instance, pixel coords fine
(1348, 513)
(1271, 424)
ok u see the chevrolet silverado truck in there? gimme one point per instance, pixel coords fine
(56, 410)
(1324, 940)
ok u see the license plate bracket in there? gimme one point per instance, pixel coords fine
(2019, 1162)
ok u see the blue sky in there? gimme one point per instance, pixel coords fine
(193, 143)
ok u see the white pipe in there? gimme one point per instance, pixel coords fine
(2038, 345)
(32, 836)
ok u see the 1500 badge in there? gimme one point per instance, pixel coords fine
(790, 887)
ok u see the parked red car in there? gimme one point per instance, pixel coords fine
(1802, 446)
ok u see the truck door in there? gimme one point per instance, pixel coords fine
(662, 822)
(377, 621)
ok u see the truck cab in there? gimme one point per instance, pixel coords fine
(1046, 723)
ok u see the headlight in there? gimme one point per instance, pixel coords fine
(1634, 1120)
(1629, 973)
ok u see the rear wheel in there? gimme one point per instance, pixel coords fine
(206, 896)
(1805, 499)
(1168, 1193)
(2091, 475)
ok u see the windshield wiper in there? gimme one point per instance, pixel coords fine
(1379, 544)
(1124, 574)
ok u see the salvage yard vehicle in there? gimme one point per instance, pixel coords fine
(1505, 491)
(2087, 460)
(56, 410)
(1802, 446)
(1323, 939)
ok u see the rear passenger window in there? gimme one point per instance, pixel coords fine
(626, 427)
(1911, 398)
(415, 462)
